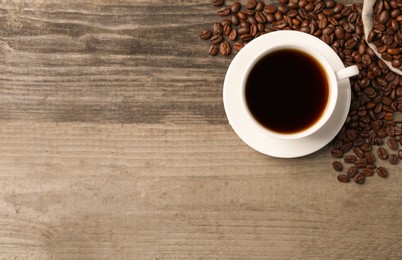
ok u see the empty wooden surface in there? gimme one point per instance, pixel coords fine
(114, 145)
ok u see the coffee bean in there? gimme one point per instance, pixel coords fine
(337, 166)
(246, 37)
(360, 163)
(336, 153)
(244, 30)
(224, 48)
(233, 35)
(223, 11)
(367, 172)
(270, 9)
(382, 172)
(369, 156)
(359, 178)
(400, 154)
(393, 159)
(346, 147)
(366, 147)
(392, 144)
(352, 171)
(260, 6)
(217, 2)
(343, 178)
(236, 6)
(350, 159)
(359, 153)
(383, 17)
(213, 50)
(382, 153)
(238, 46)
(205, 34)
(217, 28)
(251, 4)
(216, 39)
(227, 30)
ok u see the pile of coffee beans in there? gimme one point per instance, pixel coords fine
(370, 136)
(387, 31)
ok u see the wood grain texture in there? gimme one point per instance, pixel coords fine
(114, 145)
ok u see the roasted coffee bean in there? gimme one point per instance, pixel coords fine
(233, 35)
(358, 142)
(260, 6)
(393, 159)
(246, 37)
(217, 2)
(382, 153)
(217, 28)
(236, 6)
(244, 30)
(216, 39)
(213, 50)
(366, 147)
(227, 29)
(392, 144)
(350, 159)
(251, 4)
(400, 154)
(367, 172)
(359, 153)
(224, 48)
(270, 9)
(352, 171)
(235, 19)
(383, 17)
(224, 11)
(370, 158)
(360, 163)
(337, 166)
(336, 153)
(205, 34)
(359, 178)
(343, 178)
(238, 46)
(382, 172)
(346, 147)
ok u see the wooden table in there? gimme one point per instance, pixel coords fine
(115, 145)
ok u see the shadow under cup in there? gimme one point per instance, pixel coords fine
(290, 92)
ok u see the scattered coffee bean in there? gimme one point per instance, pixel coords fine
(392, 143)
(337, 166)
(368, 172)
(382, 172)
(351, 172)
(217, 2)
(213, 50)
(205, 34)
(224, 11)
(224, 48)
(393, 159)
(343, 178)
(359, 178)
(336, 153)
(382, 153)
(361, 163)
(350, 159)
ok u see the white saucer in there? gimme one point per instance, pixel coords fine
(261, 141)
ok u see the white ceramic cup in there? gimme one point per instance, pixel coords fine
(333, 77)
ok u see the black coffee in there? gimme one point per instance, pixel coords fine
(287, 91)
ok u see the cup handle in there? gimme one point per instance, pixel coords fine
(347, 72)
